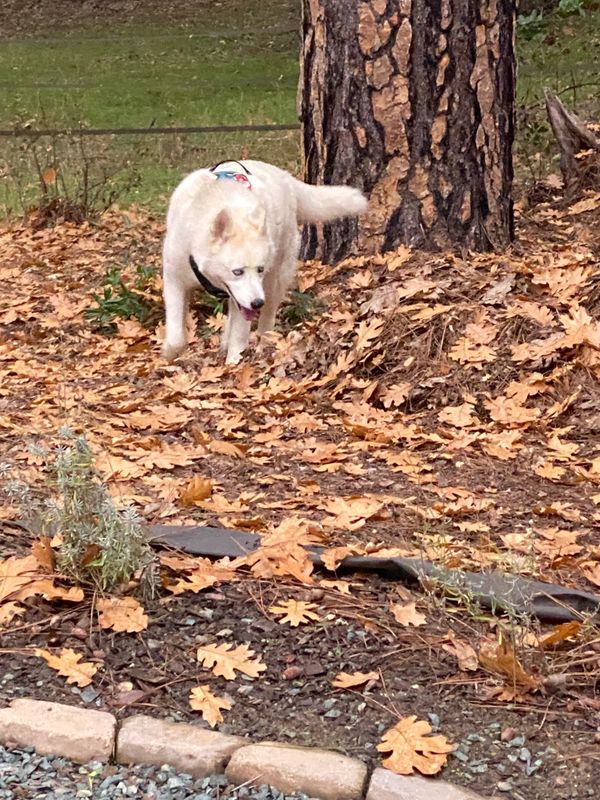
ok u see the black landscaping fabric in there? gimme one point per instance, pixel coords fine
(496, 591)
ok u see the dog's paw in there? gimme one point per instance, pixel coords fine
(171, 351)
(233, 358)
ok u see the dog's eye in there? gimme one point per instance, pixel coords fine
(260, 270)
(238, 272)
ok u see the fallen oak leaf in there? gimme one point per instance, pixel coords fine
(224, 661)
(591, 570)
(69, 665)
(225, 448)
(295, 612)
(333, 556)
(204, 573)
(118, 468)
(550, 471)
(42, 551)
(458, 416)
(499, 657)
(508, 411)
(208, 704)
(49, 591)
(196, 490)
(466, 352)
(8, 611)
(558, 509)
(412, 747)
(368, 332)
(463, 652)
(168, 458)
(560, 634)
(407, 614)
(343, 587)
(16, 574)
(345, 680)
(122, 614)
(395, 395)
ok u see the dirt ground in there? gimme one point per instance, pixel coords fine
(467, 503)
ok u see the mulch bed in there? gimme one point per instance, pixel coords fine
(546, 748)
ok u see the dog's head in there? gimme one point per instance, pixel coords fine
(239, 252)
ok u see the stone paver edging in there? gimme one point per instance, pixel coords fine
(84, 735)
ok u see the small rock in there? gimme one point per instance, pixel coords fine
(176, 782)
(434, 721)
(314, 668)
(460, 756)
(89, 694)
(475, 737)
(504, 786)
(291, 673)
(525, 754)
(478, 767)
(531, 768)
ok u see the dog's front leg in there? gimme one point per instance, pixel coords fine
(176, 302)
(266, 320)
(238, 334)
(226, 329)
(273, 297)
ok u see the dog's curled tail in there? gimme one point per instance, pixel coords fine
(326, 203)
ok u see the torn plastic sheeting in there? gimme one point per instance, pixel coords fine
(496, 591)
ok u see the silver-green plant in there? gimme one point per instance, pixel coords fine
(102, 546)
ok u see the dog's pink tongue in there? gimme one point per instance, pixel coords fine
(249, 313)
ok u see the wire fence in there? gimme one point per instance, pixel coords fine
(26, 133)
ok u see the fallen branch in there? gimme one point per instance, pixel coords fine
(573, 137)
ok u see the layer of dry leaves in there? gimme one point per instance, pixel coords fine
(440, 406)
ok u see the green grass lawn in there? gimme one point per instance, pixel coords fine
(233, 63)
(226, 63)
(140, 79)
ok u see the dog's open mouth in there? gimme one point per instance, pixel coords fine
(249, 314)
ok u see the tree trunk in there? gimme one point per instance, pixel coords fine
(412, 100)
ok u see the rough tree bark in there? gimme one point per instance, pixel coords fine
(414, 101)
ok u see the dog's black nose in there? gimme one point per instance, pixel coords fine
(256, 304)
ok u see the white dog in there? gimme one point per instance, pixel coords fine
(233, 230)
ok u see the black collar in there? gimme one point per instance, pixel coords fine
(205, 283)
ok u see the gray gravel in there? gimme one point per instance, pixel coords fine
(24, 775)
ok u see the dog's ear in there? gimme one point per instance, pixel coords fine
(221, 225)
(258, 218)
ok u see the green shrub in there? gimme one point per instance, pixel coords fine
(118, 301)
